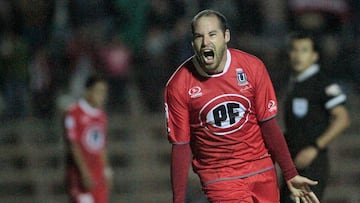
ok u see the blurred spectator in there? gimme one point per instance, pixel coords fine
(91, 24)
(115, 61)
(131, 20)
(36, 21)
(8, 19)
(180, 48)
(82, 56)
(155, 67)
(348, 63)
(274, 24)
(163, 13)
(42, 85)
(328, 21)
(90, 12)
(14, 59)
(318, 16)
(152, 71)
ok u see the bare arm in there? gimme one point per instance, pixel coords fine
(339, 122)
(108, 172)
(105, 159)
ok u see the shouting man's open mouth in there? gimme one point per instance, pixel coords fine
(208, 56)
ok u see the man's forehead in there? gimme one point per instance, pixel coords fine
(210, 20)
(302, 42)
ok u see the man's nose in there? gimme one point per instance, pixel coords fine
(206, 40)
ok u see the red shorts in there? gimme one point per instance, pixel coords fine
(262, 187)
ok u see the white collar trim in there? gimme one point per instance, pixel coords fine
(312, 70)
(203, 73)
(84, 105)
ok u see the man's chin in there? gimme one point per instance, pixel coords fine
(210, 68)
(299, 69)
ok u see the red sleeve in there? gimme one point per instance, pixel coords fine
(180, 164)
(70, 126)
(278, 148)
(177, 116)
(265, 98)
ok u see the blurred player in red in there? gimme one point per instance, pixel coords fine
(220, 107)
(88, 172)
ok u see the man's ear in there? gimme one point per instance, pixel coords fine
(316, 57)
(227, 35)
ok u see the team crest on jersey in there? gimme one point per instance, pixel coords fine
(94, 139)
(225, 114)
(241, 77)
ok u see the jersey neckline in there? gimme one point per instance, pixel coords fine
(312, 70)
(85, 106)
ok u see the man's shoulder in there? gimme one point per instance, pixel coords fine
(329, 84)
(244, 56)
(322, 78)
(252, 65)
(72, 108)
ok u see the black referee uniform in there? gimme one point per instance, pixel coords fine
(311, 96)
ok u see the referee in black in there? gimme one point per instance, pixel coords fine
(314, 113)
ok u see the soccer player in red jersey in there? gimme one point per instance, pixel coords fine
(88, 174)
(220, 109)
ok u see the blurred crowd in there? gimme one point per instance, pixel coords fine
(49, 47)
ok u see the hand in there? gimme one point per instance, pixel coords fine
(305, 157)
(87, 181)
(108, 172)
(299, 187)
(109, 184)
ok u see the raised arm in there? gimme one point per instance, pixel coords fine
(339, 122)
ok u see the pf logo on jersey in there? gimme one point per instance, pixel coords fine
(225, 114)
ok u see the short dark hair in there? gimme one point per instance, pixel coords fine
(222, 19)
(92, 80)
(303, 35)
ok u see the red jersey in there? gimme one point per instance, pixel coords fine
(86, 126)
(219, 115)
